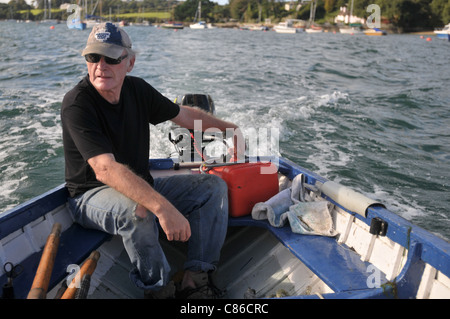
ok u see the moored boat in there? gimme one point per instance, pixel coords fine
(92, 22)
(311, 27)
(443, 33)
(76, 24)
(375, 32)
(254, 27)
(198, 16)
(172, 25)
(314, 29)
(287, 27)
(199, 25)
(350, 30)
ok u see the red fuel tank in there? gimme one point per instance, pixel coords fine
(248, 184)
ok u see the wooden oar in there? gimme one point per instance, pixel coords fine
(88, 267)
(44, 271)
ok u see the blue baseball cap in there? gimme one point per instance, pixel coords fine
(107, 39)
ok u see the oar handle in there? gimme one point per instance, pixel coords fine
(44, 271)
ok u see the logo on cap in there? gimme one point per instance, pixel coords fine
(109, 33)
(102, 36)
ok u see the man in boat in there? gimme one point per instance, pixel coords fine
(105, 121)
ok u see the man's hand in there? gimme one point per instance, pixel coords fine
(175, 225)
(121, 178)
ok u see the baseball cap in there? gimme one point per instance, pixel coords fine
(107, 39)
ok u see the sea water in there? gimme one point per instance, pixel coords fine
(372, 113)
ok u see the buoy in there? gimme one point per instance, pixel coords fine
(52, 27)
(421, 36)
(428, 39)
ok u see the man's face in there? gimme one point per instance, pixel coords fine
(108, 78)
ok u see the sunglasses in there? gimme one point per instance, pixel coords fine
(95, 58)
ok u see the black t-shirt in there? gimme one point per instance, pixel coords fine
(92, 126)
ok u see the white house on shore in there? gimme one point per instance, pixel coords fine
(346, 17)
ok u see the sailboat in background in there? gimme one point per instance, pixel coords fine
(89, 21)
(352, 28)
(92, 20)
(198, 16)
(48, 17)
(311, 27)
(287, 27)
(76, 22)
(444, 33)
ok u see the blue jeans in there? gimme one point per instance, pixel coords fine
(203, 199)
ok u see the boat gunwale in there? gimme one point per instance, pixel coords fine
(27, 212)
(435, 250)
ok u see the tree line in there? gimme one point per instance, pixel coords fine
(407, 15)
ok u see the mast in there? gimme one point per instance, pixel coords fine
(312, 13)
(199, 12)
(351, 12)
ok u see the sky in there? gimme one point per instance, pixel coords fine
(6, 1)
(222, 2)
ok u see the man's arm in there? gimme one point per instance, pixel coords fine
(188, 115)
(122, 179)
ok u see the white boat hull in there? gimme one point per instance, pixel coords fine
(372, 32)
(444, 33)
(350, 31)
(313, 30)
(198, 26)
(288, 30)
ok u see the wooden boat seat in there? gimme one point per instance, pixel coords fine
(76, 243)
(337, 265)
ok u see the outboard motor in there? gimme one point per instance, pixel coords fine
(195, 148)
(202, 101)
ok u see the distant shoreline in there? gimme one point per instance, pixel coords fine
(237, 25)
(421, 33)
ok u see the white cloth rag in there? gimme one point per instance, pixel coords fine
(310, 218)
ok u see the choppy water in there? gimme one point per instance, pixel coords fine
(372, 113)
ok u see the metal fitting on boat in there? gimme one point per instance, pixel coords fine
(378, 227)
